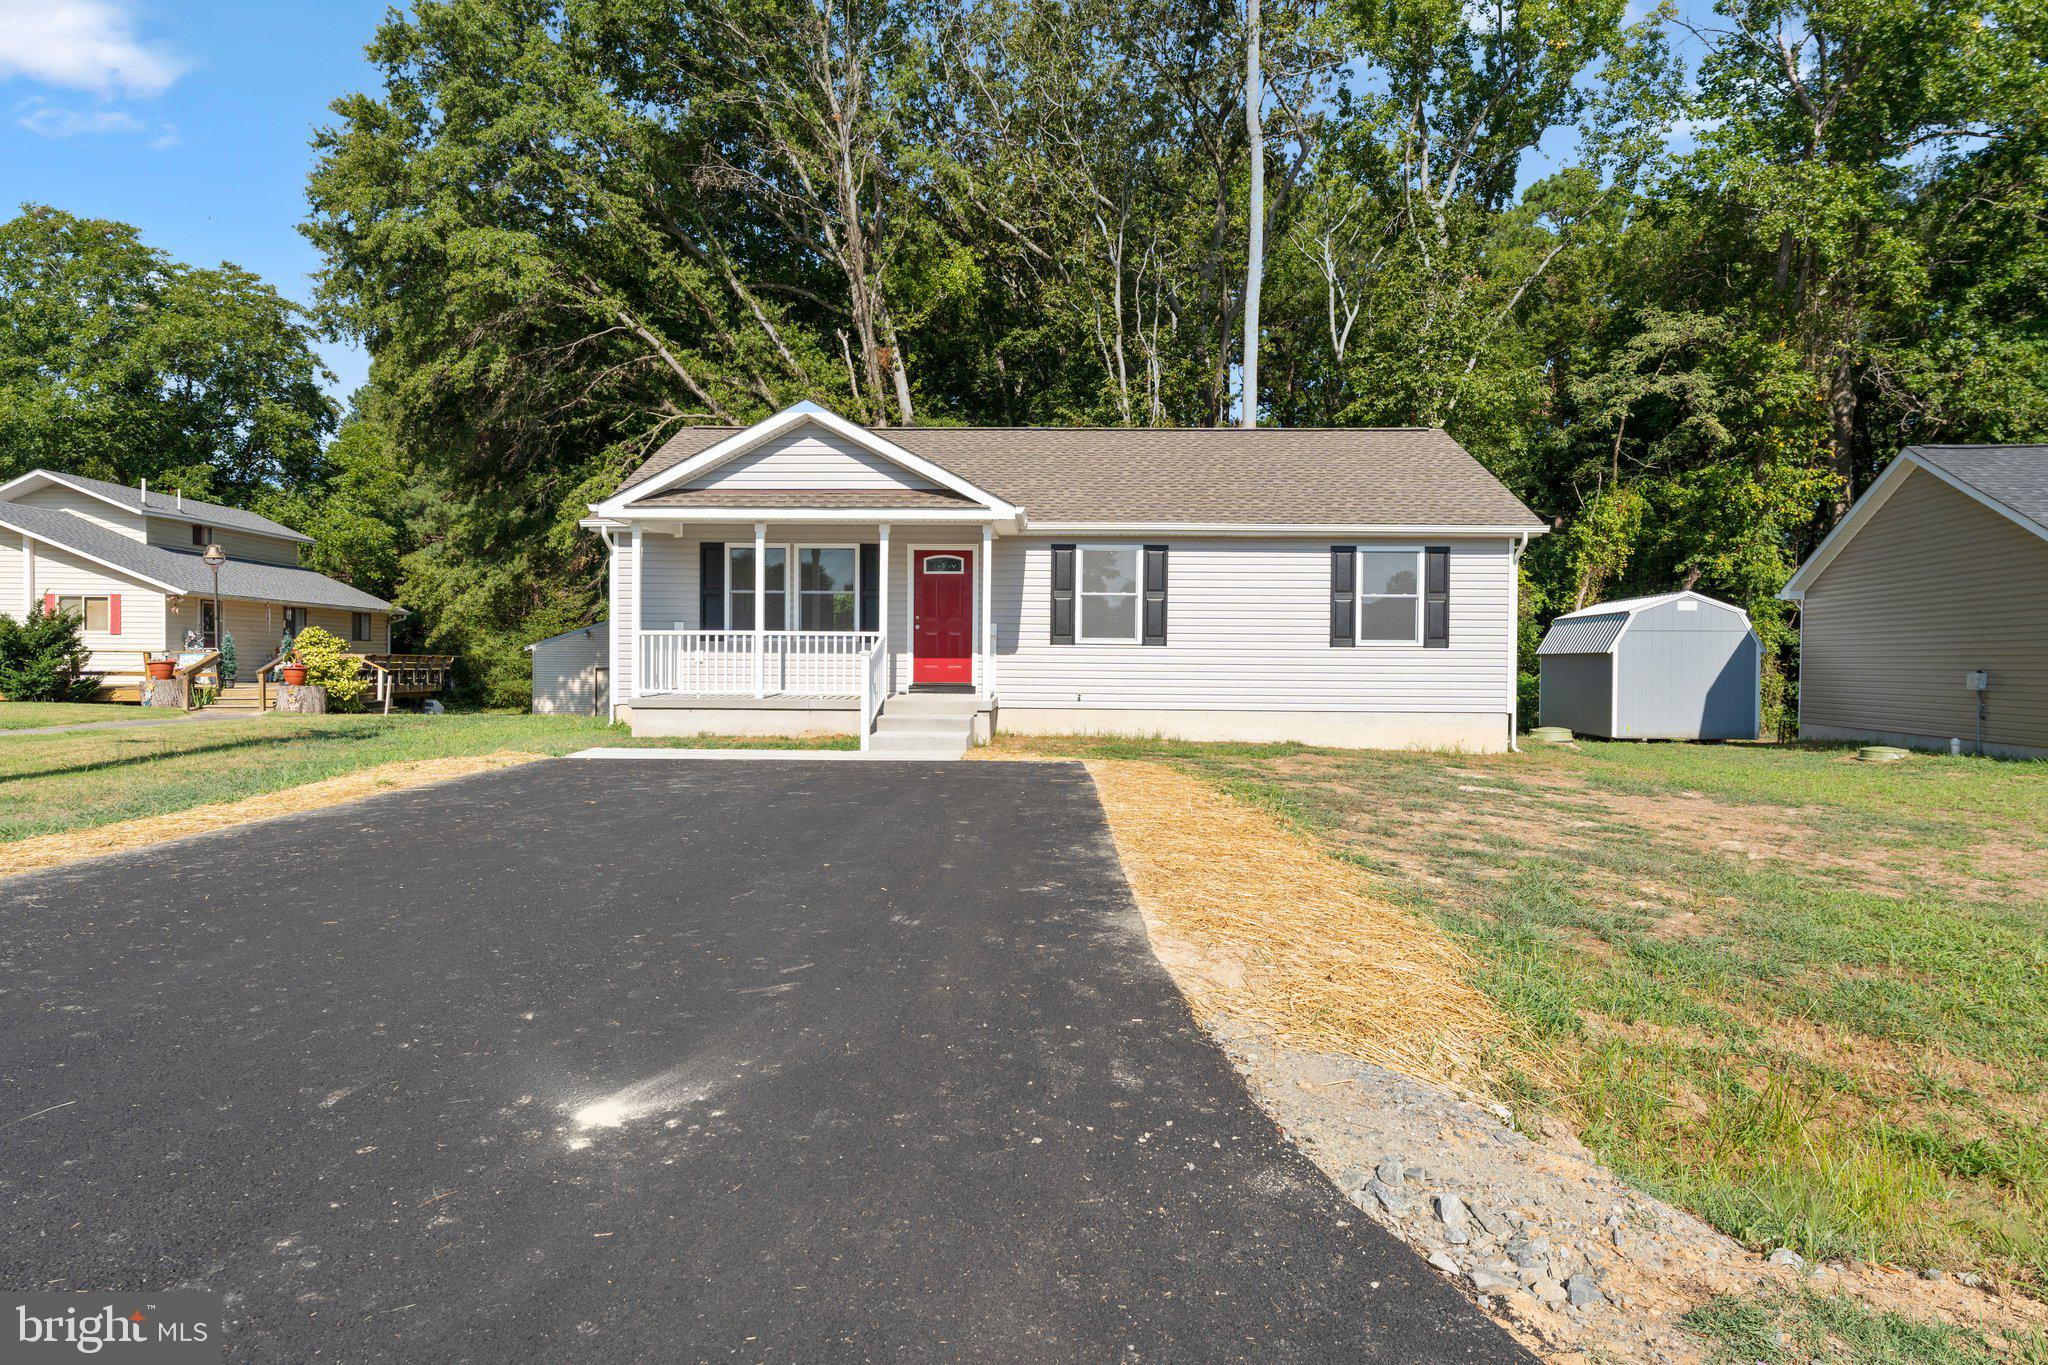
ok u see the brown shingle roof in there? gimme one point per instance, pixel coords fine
(1202, 476)
(827, 498)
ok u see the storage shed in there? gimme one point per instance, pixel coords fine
(1676, 666)
(571, 676)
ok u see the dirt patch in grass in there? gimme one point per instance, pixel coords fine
(70, 846)
(1265, 930)
(1563, 810)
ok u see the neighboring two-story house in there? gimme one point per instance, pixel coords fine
(128, 560)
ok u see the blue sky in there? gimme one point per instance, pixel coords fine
(190, 120)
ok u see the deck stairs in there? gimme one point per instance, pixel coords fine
(242, 698)
(925, 725)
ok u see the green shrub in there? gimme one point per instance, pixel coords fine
(45, 659)
(330, 665)
(227, 659)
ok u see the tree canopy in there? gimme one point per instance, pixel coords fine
(1684, 283)
(118, 362)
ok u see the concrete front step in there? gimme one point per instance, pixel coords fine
(938, 725)
(962, 704)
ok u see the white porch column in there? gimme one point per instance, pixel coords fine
(28, 578)
(988, 639)
(882, 617)
(761, 605)
(633, 635)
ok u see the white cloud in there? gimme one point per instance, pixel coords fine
(82, 45)
(50, 121)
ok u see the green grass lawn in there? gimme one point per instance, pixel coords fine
(50, 783)
(1803, 996)
(27, 715)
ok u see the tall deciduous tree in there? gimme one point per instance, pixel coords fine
(119, 362)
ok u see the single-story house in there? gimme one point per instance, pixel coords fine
(571, 671)
(1345, 587)
(128, 560)
(1924, 614)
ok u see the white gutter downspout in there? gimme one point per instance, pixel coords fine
(1515, 640)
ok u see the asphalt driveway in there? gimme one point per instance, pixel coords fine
(584, 1060)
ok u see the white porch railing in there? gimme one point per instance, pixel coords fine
(798, 663)
(874, 687)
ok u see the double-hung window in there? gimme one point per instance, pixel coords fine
(1108, 589)
(1389, 595)
(826, 584)
(827, 587)
(96, 612)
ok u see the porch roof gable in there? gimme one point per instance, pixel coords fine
(652, 480)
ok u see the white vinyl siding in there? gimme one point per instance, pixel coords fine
(808, 458)
(1248, 625)
(1249, 630)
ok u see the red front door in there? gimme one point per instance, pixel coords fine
(942, 618)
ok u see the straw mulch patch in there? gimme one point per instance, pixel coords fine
(1259, 927)
(70, 846)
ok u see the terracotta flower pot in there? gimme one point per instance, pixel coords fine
(294, 675)
(161, 669)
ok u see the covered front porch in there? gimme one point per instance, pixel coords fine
(796, 625)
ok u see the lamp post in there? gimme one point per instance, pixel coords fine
(215, 557)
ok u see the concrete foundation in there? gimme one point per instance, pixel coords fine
(1936, 743)
(1477, 734)
(787, 717)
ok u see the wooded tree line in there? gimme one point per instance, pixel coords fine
(1684, 281)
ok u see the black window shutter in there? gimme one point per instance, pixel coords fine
(1063, 594)
(870, 585)
(1343, 594)
(1155, 594)
(1436, 597)
(711, 585)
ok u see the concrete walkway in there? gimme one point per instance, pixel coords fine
(769, 755)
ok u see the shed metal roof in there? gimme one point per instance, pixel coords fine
(177, 571)
(1584, 633)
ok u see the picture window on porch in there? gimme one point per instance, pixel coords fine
(1109, 594)
(827, 587)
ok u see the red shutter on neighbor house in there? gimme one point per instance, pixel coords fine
(113, 613)
(49, 604)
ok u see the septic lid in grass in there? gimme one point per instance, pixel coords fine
(1880, 753)
(1551, 734)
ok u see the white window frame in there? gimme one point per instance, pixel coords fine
(369, 634)
(1414, 640)
(84, 611)
(792, 603)
(797, 592)
(1081, 595)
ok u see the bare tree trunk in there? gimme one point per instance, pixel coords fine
(1255, 251)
